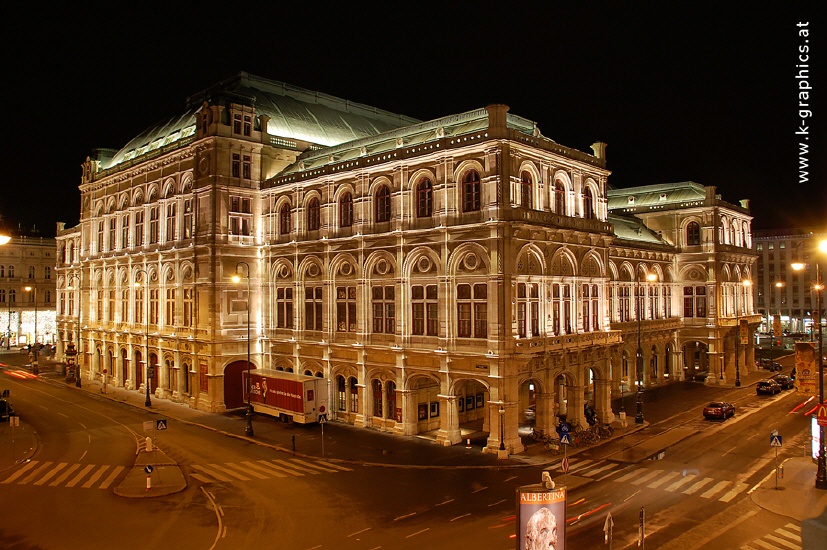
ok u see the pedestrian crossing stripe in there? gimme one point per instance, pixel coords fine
(788, 536)
(688, 484)
(87, 476)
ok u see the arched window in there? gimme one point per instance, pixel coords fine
(559, 198)
(383, 204)
(471, 191)
(693, 233)
(424, 198)
(2, 271)
(31, 272)
(341, 394)
(346, 211)
(284, 219)
(376, 385)
(47, 297)
(12, 296)
(48, 273)
(3, 295)
(313, 214)
(588, 204)
(525, 190)
(353, 383)
(390, 393)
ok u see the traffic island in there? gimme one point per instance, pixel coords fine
(153, 475)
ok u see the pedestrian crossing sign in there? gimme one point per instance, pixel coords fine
(161, 424)
(775, 441)
(565, 439)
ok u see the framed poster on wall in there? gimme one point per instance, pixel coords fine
(434, 409)
(423, 411)
(480, 400)
(469, 403)
(461, 404)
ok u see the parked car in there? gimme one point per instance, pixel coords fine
(767, 387)
(784, 381)
(768, 364)
(6, 410)
(719, 409)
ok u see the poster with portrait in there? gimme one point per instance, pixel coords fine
(806, 369)
(541, 518)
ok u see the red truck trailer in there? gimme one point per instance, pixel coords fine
(297, 396)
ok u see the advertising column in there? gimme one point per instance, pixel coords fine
(541, 518)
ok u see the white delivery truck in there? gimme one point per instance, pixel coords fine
(285, 394)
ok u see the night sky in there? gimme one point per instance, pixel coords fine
(679, 91)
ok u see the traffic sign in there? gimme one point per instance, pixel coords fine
(148, 468)
(564, 428)
(161, 424)
(565, 439)
(565, 464)
(775, 440)
(821, 415)
(322, 418)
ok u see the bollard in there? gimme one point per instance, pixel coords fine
(148, 443)
(148, 483)
(781, 471)
(293, 441)
(468, 443)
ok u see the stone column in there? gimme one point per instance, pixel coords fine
(449, 432)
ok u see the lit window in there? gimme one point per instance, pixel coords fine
(383, 204)
(313, 308)
(346, 210)
(472, 311)
(471, 191)
(525, 190)
(425, 310)
(384, 309)
(346, 309)
(284, 307)
(693, 234)
(313, 214)
(424, 198)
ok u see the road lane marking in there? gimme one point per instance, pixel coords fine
(209, 472)
(475, 491)
(734, 492)
(64, 475)
(678, 484)
(20, 472)
(783, 542)
(647, 477)
(335, 466)
(247, 471)
(698, 486)
(460, 517)
(608, 466)
(445, 502)
(229, 472)
(51, 473)
(405, 516)
(418, 533)
(280, 468)
(718, 487)
(664, 479)
(201, 478)
(359, 532)
(36, 473)
(80, 476)
(96, 476)
(108, 481)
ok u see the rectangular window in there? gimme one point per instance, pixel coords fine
(384, 309)
(346, 309)
(236, 124)
(240, 216)
(188, 226)
(189, 294)
(110, 307)
(246, 168)
(154, 222)
(139, 228)
(153, 306)
(236, 165)
(125, 231)
(284, 307)
(694, 301)
(169, 310)
(113, 222)
(595, 309)
(138, 306)
(172, 221)
(248, 125)
(313, 308)
(472, 311)
(100, 236)
(528, 310)
(425, 310)
(99, 305)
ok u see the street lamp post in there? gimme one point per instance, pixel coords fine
(639, 355)
(746, 284)
(502, 427)
(5, 239)
(778, 285)
(148, 401)
(33, 346)
(248, 429)
(821, 467)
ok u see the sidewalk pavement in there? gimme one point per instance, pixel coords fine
(349, 444)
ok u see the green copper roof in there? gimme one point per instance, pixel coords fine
(654, 195)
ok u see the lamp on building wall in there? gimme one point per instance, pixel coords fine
(651, 277)
(33, 346)
(821, 468)
(746, 283)
(248, 430)
(149, 369)
(72, 276)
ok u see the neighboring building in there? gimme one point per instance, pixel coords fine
(781, 291)
(442, 275)
(27, 289)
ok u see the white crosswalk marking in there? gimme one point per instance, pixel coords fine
(783, 542)
(247, 471)
(664, 479)
(678, 484)
(64, 475)
(211, 473)
(263, 469)
(96, 476)
(51, 473)
(36, 473)
(295, 463)
(80, 476)
(698, 486)
(20, 472)
(717, 488)
(280, 468)
(108, 481)
(630, 475)
(609, 466)
(734, 492)
(580, 464)
(647, 477)
(335, 466)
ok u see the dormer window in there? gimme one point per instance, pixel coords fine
(631, 200)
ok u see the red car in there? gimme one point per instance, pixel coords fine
(719, 409)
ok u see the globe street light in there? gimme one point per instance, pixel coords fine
(746, 284)
(149, 371)
(33, 347)
(248, 430)
(821, 468)
(639, 356)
